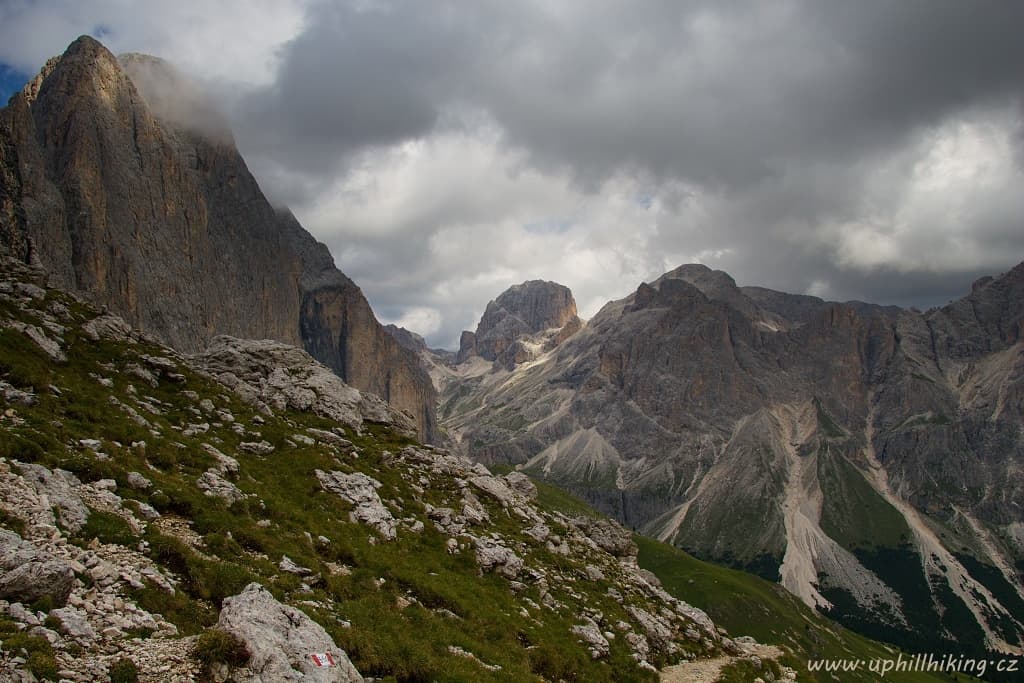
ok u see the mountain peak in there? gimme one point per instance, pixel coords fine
(175, 99)
(120, 178)
(526, 309)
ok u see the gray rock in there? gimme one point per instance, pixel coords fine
(288, 565)
(110, 327)
(226, 465)
(138, 482)
(591, 635)
(329, 437)
(58, 486)
(521, 484)
(280, 640)
(17, 396)
(30, 290)
(74, 623)
(496, 488)
(608, 535)
(256, 447)
(361, 491)
(473, 510)
(30, 574)
(493, 555)
(286, 377)
(49, 346)
(657, 630)
(212, 484)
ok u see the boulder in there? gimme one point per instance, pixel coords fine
(28, 574)
(212, 484)
(281, 641)
(608, 535)
(361, 491)
(58, 486)
(494, 487)
(111, 327)
(590, 634)
(521, 484)
(493, 555)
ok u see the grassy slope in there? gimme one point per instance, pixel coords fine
(747, 605)
(744, 604)
(407, 644)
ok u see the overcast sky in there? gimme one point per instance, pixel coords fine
(866, 150)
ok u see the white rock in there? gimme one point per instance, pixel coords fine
(212, 484)
(274, 374)
(74, 623)
(591, 636)
(107, 327)
(361, 491)
(280, 640)
(521, 484)
(492, 555)
(138, 481)
(256, 447)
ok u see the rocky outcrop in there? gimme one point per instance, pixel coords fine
(280, 640)
(118, 176)
(360, 491)
(275, 375)
(521, 311)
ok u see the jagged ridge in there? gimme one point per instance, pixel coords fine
(839, 448)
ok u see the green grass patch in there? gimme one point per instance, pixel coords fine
(36, 650)
(747, 605)
(855, 515)
(108, 528)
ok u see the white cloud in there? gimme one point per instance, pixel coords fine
(235, 41)
(449, 222)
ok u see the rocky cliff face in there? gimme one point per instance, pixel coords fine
(867, 457)
(522, 311)
(121, 179)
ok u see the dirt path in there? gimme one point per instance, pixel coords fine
(707, 670)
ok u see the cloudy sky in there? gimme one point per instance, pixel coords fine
(445, 150)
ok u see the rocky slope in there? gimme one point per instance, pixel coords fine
(867, 457)
(120, 178)
(231, 513)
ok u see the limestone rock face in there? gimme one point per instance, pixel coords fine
(120, 178)
(523, 310)
(280, 640)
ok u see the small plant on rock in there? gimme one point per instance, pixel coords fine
(215, 646)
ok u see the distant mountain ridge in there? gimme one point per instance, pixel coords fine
(868, 457)
(121, 179)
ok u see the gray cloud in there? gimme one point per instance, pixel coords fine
(870, 150)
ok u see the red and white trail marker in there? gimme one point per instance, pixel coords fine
(322, 659)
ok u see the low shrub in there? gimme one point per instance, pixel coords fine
(215, 646)
(123, 671)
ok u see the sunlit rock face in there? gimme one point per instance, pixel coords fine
(119, 177)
